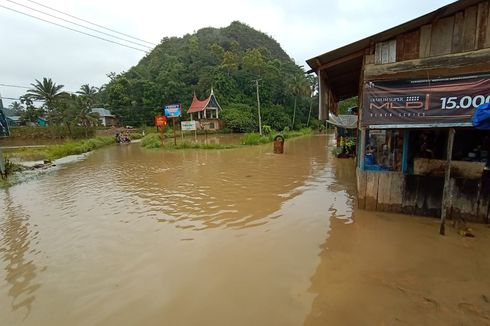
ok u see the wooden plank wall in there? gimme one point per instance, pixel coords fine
(422, 195)
(380, 191)
(467, 30)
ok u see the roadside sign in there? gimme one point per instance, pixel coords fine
(188, 125)
(160, 121)
(172, 111)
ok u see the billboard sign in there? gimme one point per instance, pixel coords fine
(172, 111)
(160, 121)
(188, 125)
(450, 100)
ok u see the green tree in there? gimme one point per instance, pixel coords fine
(298, 86)
(46, 91)
(88, 95)
(230, 62)
(16, 107)
(31, 113)
(239, 118)
(253, 61)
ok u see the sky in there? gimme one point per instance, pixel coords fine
(31, 49)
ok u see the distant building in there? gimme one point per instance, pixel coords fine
(14, 120)
(106, 119)
(207, 111)
(4, 129)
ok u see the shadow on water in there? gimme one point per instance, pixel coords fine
(20, 270)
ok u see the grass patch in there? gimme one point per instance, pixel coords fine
(256, 139)
(53, 152)
(153, 141)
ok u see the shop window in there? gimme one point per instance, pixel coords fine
(472, 146)
(384, 150)
(425, 144)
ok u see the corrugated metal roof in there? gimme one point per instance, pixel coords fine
(102, 112)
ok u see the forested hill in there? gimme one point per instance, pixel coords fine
(228, 59)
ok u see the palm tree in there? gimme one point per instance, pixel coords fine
(16, 107)
(298, 86)
(46, 91)
(88, 93)
(313, 83)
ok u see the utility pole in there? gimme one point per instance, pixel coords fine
(258, 106)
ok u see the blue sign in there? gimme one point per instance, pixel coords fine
(172, 111)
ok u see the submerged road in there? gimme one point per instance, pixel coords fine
(233, 237)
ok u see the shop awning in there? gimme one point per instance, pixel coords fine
(347, 121)
(481, 118)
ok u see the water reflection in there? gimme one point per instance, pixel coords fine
(201, 190)
(20, 270)
(180, 238)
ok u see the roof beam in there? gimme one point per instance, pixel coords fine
(338, 61)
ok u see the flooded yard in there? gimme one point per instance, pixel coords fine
(227, 237)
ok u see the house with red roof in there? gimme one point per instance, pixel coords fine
(206, 111)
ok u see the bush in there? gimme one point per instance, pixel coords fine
(152, 140)
(255, 139)
(239, 118)
(276, 117)
(266, 130)
(10, 168)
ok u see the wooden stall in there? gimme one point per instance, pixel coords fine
(418, 85)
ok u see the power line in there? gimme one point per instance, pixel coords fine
(86, 21)
(14, 86)
(72, 29)
(80, 25)
(16, 99)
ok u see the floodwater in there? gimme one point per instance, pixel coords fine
(233, 237)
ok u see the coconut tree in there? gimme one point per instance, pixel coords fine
(46, 91)
(88, 94)
(298, 86)
(16, 107)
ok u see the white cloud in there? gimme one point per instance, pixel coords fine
(32, 49)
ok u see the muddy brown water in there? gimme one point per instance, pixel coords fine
(233, 237)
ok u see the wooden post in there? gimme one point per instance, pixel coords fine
(175, 137)
(406, 140)
(362, 150)
(446, 193)
(161, 133)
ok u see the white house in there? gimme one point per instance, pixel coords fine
(105, 117)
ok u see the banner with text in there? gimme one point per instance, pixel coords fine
(172, 110)
(449, 100)
(188, 125)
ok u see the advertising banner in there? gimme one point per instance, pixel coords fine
(172, 111)
(445, 101)
(188, 125)
(160, 121)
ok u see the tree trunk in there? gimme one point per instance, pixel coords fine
(69, 129)
(294, 111)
